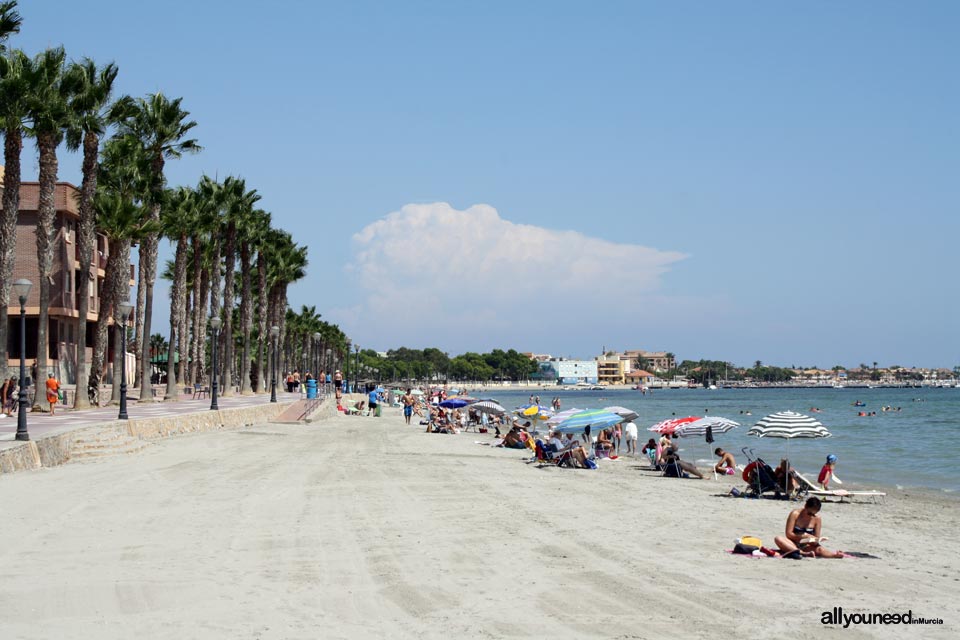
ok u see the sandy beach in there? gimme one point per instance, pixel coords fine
(358, 527)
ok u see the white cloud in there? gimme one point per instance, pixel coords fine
(429, 272)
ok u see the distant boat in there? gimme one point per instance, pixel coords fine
(838, 386)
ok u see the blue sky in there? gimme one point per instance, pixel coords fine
(730, 180)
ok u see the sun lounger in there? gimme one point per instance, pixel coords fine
(842, 494)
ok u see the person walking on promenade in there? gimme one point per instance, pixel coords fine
(53, 392)
(338, 383)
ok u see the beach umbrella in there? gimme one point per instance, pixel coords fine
(535, 411)
(416, 392)
(454, 403)
(557, 418)
(598, 419)
(699, 427)
(669, 426)
(788, 425)
(488, 406)
(628, 415)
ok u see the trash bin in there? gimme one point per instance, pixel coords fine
(311, 389)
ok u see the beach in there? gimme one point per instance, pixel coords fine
(357, 527)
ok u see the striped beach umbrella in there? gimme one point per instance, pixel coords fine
(597, 419)
(488, 406)
(535, 411)
(788, 424)
(627, 414)
(557, 418)
(699, 427)
(669, 426)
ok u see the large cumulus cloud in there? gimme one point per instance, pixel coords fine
(429, 272)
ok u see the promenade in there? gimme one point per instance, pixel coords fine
(43, 424)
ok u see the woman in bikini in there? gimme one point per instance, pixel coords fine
(802, 534)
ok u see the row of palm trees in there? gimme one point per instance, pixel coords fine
(124, 195)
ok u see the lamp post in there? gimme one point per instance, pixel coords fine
(215, 324)
(21, 288)
(316, 356)
(356, 375)
(346, 363)
(125, 308)
(327, 367)
(274, 333)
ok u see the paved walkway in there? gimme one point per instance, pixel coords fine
(41, 424)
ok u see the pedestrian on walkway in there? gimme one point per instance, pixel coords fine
(53, 391)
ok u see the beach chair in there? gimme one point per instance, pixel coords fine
(842, 495)
(546, 457)
(760, 477)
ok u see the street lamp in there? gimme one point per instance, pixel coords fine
(274, 333)
(356, 376)
(215, 324)
(316, 355)
(125, 308)
(21, 289)
(327, 367)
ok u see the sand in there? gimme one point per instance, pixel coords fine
(365, 528)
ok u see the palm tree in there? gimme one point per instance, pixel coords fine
(160, 126)
(239, 207)
(15, 74)
(88, 111)
(179, 217)
(48, 109)
(122, 221)
(9, 22)
(287, 264)
(251, 231)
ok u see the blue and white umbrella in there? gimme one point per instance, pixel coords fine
(598, 420)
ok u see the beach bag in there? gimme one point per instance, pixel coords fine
(745, 549)
(590, 464)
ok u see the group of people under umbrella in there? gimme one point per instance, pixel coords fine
(614, 424)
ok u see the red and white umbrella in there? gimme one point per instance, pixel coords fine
(669, 426)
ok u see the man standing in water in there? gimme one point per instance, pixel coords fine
(408, 402)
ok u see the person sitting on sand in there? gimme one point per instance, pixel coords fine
(514, 439)
(793, 483)
(577, 454)
(727, 464)
(650, 450)
(672, 457)
(802, 534)
(826, 473)
(604, 443)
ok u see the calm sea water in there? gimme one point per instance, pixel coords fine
(916, 447)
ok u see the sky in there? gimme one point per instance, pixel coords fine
(730, 180)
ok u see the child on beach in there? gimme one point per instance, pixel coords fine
(826, 472)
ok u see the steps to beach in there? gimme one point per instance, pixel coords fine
(105, 444)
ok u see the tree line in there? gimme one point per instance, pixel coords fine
(216, 226)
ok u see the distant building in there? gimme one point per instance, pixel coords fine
(656, 360)
(612, 368)
(574, 371)
(640, 377)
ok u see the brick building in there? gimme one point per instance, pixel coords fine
(63, 334)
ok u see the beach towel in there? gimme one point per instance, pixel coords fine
(846, 554)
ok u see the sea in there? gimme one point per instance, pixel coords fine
(915, 447)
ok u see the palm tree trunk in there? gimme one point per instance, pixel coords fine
(178, 300)
(230, 257)
(45, 215)
(107, 303)
(183, 337)
(199, 305)
(86, 241)
(202, 326)
(140, 346)
(12, 145)
(262, 384)
(246, 316)
(120, 290)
